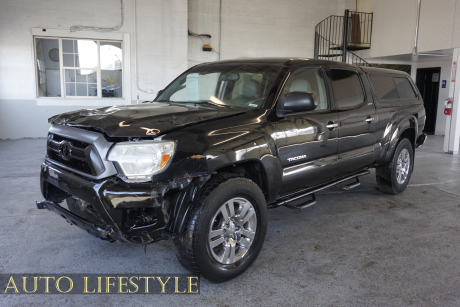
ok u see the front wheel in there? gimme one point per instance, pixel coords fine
(226, 230)
(394, 176)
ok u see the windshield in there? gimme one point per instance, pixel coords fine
(242, 85)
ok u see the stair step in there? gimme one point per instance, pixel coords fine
(351, 47)
(330, 55)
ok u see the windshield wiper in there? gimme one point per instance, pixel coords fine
(163, 100)
(212, 103)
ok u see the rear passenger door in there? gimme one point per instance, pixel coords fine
(356, 119)
(307, 147)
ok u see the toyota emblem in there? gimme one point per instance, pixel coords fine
(64, 150)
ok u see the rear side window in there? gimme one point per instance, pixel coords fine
(387, 87)
(404, 88)
(384, 87)
(348, 91)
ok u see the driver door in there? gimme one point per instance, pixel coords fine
(307, 141)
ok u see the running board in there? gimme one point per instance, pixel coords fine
(352, 185)
(286, 202)
(302, 205)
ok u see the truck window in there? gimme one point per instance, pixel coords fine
(348, 91)
(237, 84)
(308, 80)
(384, 87)
(404, 88)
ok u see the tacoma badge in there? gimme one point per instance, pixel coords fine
(297, 158)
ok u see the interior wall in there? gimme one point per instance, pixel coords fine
(271, 28)
(366, 6)
(343, 5)
(393, 27)
(161, 49)
(436, 25)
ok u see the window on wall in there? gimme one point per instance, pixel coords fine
(79, 68)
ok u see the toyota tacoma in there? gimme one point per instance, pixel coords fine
(221, 144)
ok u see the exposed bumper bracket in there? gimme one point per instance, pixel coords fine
(74, 219)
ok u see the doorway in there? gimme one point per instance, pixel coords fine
(428, 80)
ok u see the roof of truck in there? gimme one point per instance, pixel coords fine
(275, 61)
(380, 71)
(298, 61)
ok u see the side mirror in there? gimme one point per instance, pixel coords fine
(300, 102)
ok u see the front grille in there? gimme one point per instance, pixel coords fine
(73, 154)
(77, 153)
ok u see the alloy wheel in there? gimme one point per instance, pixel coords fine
(232, 230)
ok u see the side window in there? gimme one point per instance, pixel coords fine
(384, 87)
(308, 80)
(404, 88)
(348, 90)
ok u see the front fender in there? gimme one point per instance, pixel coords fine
(225, 149)
(233, 148)
(395, 128)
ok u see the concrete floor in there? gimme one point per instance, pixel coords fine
(355, 248)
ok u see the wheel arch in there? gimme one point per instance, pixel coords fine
(254, 159)
(251, 169)
(405, 127)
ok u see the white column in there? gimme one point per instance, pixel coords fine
(452, 136)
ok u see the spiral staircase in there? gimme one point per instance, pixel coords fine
(336, 37)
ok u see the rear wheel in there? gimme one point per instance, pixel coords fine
(226, 230)
(394, 176)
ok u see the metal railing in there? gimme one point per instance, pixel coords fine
(336, 37)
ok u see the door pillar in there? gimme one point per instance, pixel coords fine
(452, 135)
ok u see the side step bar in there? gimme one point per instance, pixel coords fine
(303, 205)
(352, 185)
(311, 193)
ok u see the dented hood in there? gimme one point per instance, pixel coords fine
(144, 120)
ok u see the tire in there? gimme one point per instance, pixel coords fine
(389, 179)
(194, 247)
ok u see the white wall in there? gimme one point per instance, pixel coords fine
(366, 6)
(393, 27)
(443, 92)
(270, 28)
(162, 52)
(343, 5)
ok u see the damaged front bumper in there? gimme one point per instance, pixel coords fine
(74, 219)
(110, 209)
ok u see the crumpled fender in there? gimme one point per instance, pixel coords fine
(227, 148)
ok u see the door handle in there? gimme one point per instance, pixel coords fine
(331, 125)
(369, 120)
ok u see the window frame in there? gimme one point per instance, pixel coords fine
(280, 103)
(85, 101)
(365, 100)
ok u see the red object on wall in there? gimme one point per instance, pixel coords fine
(448, 108)
(454, 71)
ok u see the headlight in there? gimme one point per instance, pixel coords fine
(139, 161)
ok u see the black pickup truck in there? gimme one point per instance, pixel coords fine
(221, 144)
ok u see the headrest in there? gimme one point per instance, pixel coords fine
(251, 88)
(300, 85)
